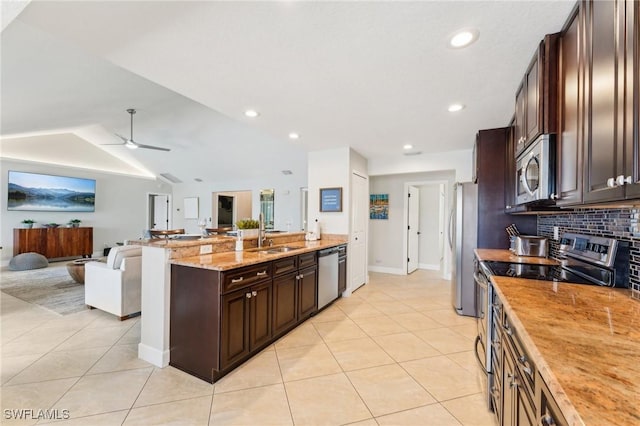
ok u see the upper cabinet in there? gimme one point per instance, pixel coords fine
(536, 103)
(611, 117)
(570, 111)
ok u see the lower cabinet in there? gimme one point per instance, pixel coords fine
(342, 269)
(521, 395)
(246, 322)
(219, 319)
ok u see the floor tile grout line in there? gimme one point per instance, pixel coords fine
(139, 393)
(284, 386)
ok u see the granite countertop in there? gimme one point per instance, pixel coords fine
(502, 255)
(584, 341)
(191, 240)
(237, 259)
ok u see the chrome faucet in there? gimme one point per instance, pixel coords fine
(261, 233)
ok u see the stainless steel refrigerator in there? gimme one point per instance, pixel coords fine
(463, 239)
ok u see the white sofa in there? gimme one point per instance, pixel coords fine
(115, 286)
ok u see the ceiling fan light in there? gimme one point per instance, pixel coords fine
(129, 144)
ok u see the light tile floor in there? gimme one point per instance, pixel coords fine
(394, 353)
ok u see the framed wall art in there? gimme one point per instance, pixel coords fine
(379, 206)
(330, 199)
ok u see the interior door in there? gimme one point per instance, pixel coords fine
(359, 217)
(160, 212)
(413, 229)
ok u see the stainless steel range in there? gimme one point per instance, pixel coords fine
(583, 259)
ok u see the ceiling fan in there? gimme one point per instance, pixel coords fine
(130, 143)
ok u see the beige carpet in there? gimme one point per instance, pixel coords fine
(51, 287)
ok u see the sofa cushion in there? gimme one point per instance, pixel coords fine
(116, 254)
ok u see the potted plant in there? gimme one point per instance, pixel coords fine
(249, 227)
(28, 223)
(75, 223)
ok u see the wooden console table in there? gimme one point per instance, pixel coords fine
(54, 243)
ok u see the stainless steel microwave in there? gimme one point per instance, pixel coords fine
(536, 172)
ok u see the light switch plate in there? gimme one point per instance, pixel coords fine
(206, 249)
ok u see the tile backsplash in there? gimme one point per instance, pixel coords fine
(621, 224)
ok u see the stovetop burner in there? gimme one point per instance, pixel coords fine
(535, 272)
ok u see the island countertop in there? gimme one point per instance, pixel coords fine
(584, 341)
(237, 259)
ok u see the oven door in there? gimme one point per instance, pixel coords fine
(535, 172)
(482, 347)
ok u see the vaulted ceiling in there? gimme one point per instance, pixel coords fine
(370, 75)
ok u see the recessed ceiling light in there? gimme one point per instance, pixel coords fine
(287, 172)
(294, 136)
(455, 107)
(197, 179)
(251, 113)
(407, 146)
(463, 38)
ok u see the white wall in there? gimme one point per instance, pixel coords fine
(386, 251)
(329, 169)
(121, 205)
(460, 161)
(286, 199)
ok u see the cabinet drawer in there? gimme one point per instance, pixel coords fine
(307, 259)
(284, 266)
(242, 277)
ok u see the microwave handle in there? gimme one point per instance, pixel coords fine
(523, 180)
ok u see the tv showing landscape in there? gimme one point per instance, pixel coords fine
(38, 192)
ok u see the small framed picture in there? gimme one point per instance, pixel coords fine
(330, 199)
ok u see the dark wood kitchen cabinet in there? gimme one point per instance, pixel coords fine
(570, 112)
(294, 293)
(536, 97)
(246, 322)
(491, 151)
(342, 269)
(611, 124)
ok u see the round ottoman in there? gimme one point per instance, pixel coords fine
(26, 261)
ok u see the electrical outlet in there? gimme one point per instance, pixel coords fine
(556, 233)
(206, 249)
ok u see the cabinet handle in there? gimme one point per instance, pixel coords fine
(301, 276)
(621, 180)
(547, 420)
(254, 293)
(261, 274)
(513, 384)
(507, 330)
(247, 295)
(611, 183)
(237, 280)
(297, 277)
(553, 196)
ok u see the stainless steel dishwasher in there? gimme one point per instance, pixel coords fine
(327, 276)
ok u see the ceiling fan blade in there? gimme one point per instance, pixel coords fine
(107, 144)
(152, 147)
(122, 137)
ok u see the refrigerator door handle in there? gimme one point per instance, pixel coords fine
(450, 235)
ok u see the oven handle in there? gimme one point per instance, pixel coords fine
(481, 280)
(475, 346)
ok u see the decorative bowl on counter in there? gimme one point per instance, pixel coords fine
(51, 225)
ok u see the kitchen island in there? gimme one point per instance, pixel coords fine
(583, 340)
(228, 306)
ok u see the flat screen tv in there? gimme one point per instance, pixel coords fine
(38, 192)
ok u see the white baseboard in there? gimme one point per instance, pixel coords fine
(152, 355)
(429, 266)
(386, 270)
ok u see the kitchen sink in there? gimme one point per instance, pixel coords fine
(276, 250)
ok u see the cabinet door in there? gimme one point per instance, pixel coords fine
(570, 135)
(260, 315)
(605, 101)
(508, 383)
(234, 334)
(525, 409)
(285, 307)
(520, 118)
(342, 274)
(30, 240)
(533, 105)
(632, 91)
(307, 292)
(510, 170)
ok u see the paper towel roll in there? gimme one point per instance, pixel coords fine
(316, 229)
